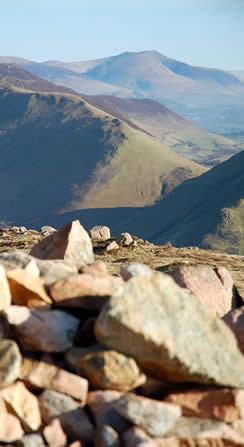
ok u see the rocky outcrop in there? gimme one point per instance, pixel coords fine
(59, 387)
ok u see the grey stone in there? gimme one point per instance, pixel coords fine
(135, 269)
(100, 233)
(170, 333)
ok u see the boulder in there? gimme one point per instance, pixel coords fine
(10, 427)
(135, 269)
(42, 376)
(213, 287)
(71, 243)
(16, 259)
(100, 233)
(53, 270)
(223, 404)
(54, 434)
(170, 333)
(106, 369)
(26, 289)
(10, 362)
(124, 239)
(5, 295)
(73, 419)
(23, 404)
(88, 291)
(42, 330)
(112, 246)
(235, 320)
(155, 417)
(101, 405)
(46, 230)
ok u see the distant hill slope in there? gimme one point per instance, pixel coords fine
(180, 135)
(207, 211)
(18, 77)
(59, 154)
(210, 98)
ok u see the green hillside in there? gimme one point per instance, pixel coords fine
(207, 211)
(59, 154)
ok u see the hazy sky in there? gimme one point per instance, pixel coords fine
(201, 32)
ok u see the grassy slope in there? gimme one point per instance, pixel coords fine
(178, 134)
(206, 211)
(60, 153)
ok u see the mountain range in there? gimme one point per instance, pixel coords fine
(210, 98)
(151, 117)
(100, 158)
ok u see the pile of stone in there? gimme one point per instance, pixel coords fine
(141, 359)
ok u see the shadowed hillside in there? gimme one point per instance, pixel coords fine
(59, 154)
(207, 211)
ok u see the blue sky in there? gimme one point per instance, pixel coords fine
(201, 32)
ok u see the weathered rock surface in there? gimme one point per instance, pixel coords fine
(133, 270)
(156, 418)
(71, 243)
(26, 289)
(106, 369)
(213, 288)
(24, 404)
(100, 233)
(42, 375)
(10, 427)
(95, 267)
(204, 428)
(170, 333)
(112, 246)
(223, 404)
(73, 419)
(42, 330)
(5, 295)
(235, 320)
(89, 291)
(52, 270)
(10, 362)
(54, 434)
(101, 404)
(46, 230)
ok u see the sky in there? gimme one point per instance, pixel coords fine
(200, 32)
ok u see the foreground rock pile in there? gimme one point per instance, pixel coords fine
(141, 358)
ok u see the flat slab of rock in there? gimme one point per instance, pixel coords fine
(88, 291)
(170, 333)
(42, 376)
(71, 243)
(10, 362)
(106, 369)
(155, 417)
(24, 404)
(73, 419)
(213, 288)
(27, 289)
(223, 404)
(42, 330)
